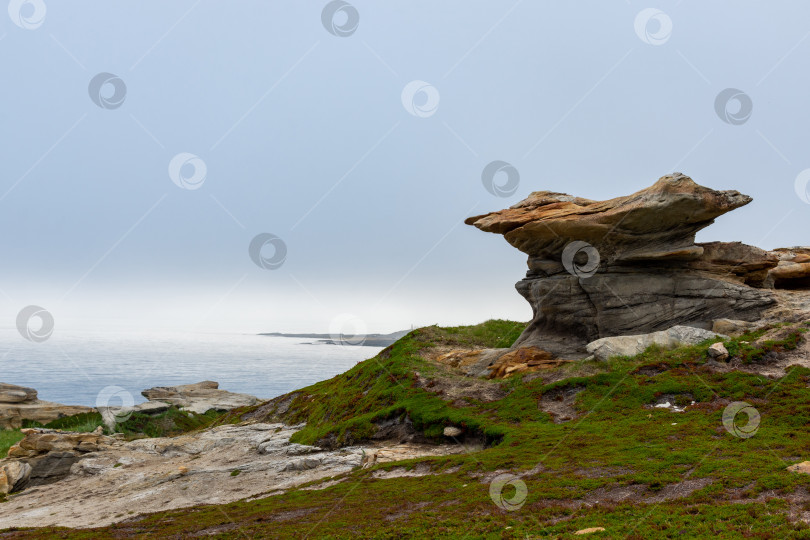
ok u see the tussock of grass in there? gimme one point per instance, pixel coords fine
(82, 423)
(166, 424)
(8, 438)
(495, 333)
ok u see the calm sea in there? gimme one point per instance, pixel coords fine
(75, 367)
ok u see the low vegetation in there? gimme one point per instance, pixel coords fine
(620, 462)
(167, 424)
(8, 438)
(349, 407)
(82, 423)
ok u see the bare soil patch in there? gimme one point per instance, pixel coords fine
(455, 388)
(559, 403)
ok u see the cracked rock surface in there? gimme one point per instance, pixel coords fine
(219, 465)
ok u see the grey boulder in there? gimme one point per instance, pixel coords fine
(676, 336)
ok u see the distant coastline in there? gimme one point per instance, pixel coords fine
(367, 340)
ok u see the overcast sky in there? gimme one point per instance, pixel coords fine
(309, 126)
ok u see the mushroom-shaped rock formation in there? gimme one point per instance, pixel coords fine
(629, 265)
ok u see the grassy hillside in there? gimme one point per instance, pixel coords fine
(613, 460)
(347, 408)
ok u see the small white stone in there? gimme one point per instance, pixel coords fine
(718, 351)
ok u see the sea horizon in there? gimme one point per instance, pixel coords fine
(74, 366)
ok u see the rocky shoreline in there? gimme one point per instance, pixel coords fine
(119, 478)
(47, 455)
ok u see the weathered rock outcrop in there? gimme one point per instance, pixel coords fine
(10, 393)
(792, 270)
(199, 397)
(14, 476)
(18, 403)
(629, 265)
(499, 363)
(46, 455)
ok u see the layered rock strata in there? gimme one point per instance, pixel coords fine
(630, 265)
(46, 455)
(199, 397)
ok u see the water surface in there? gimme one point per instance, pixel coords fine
(74, 367)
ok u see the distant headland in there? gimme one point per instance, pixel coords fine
(368, 340)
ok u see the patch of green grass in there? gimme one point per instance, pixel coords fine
(82, 423)
(495, 333)
(748, 351)
(8, 438)
(170, 423)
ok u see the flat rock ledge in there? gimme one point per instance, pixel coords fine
(18, 403)
(112, 480)
(199, 397)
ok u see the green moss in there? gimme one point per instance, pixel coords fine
(748, 351)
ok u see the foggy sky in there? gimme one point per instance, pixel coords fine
(304, 135)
